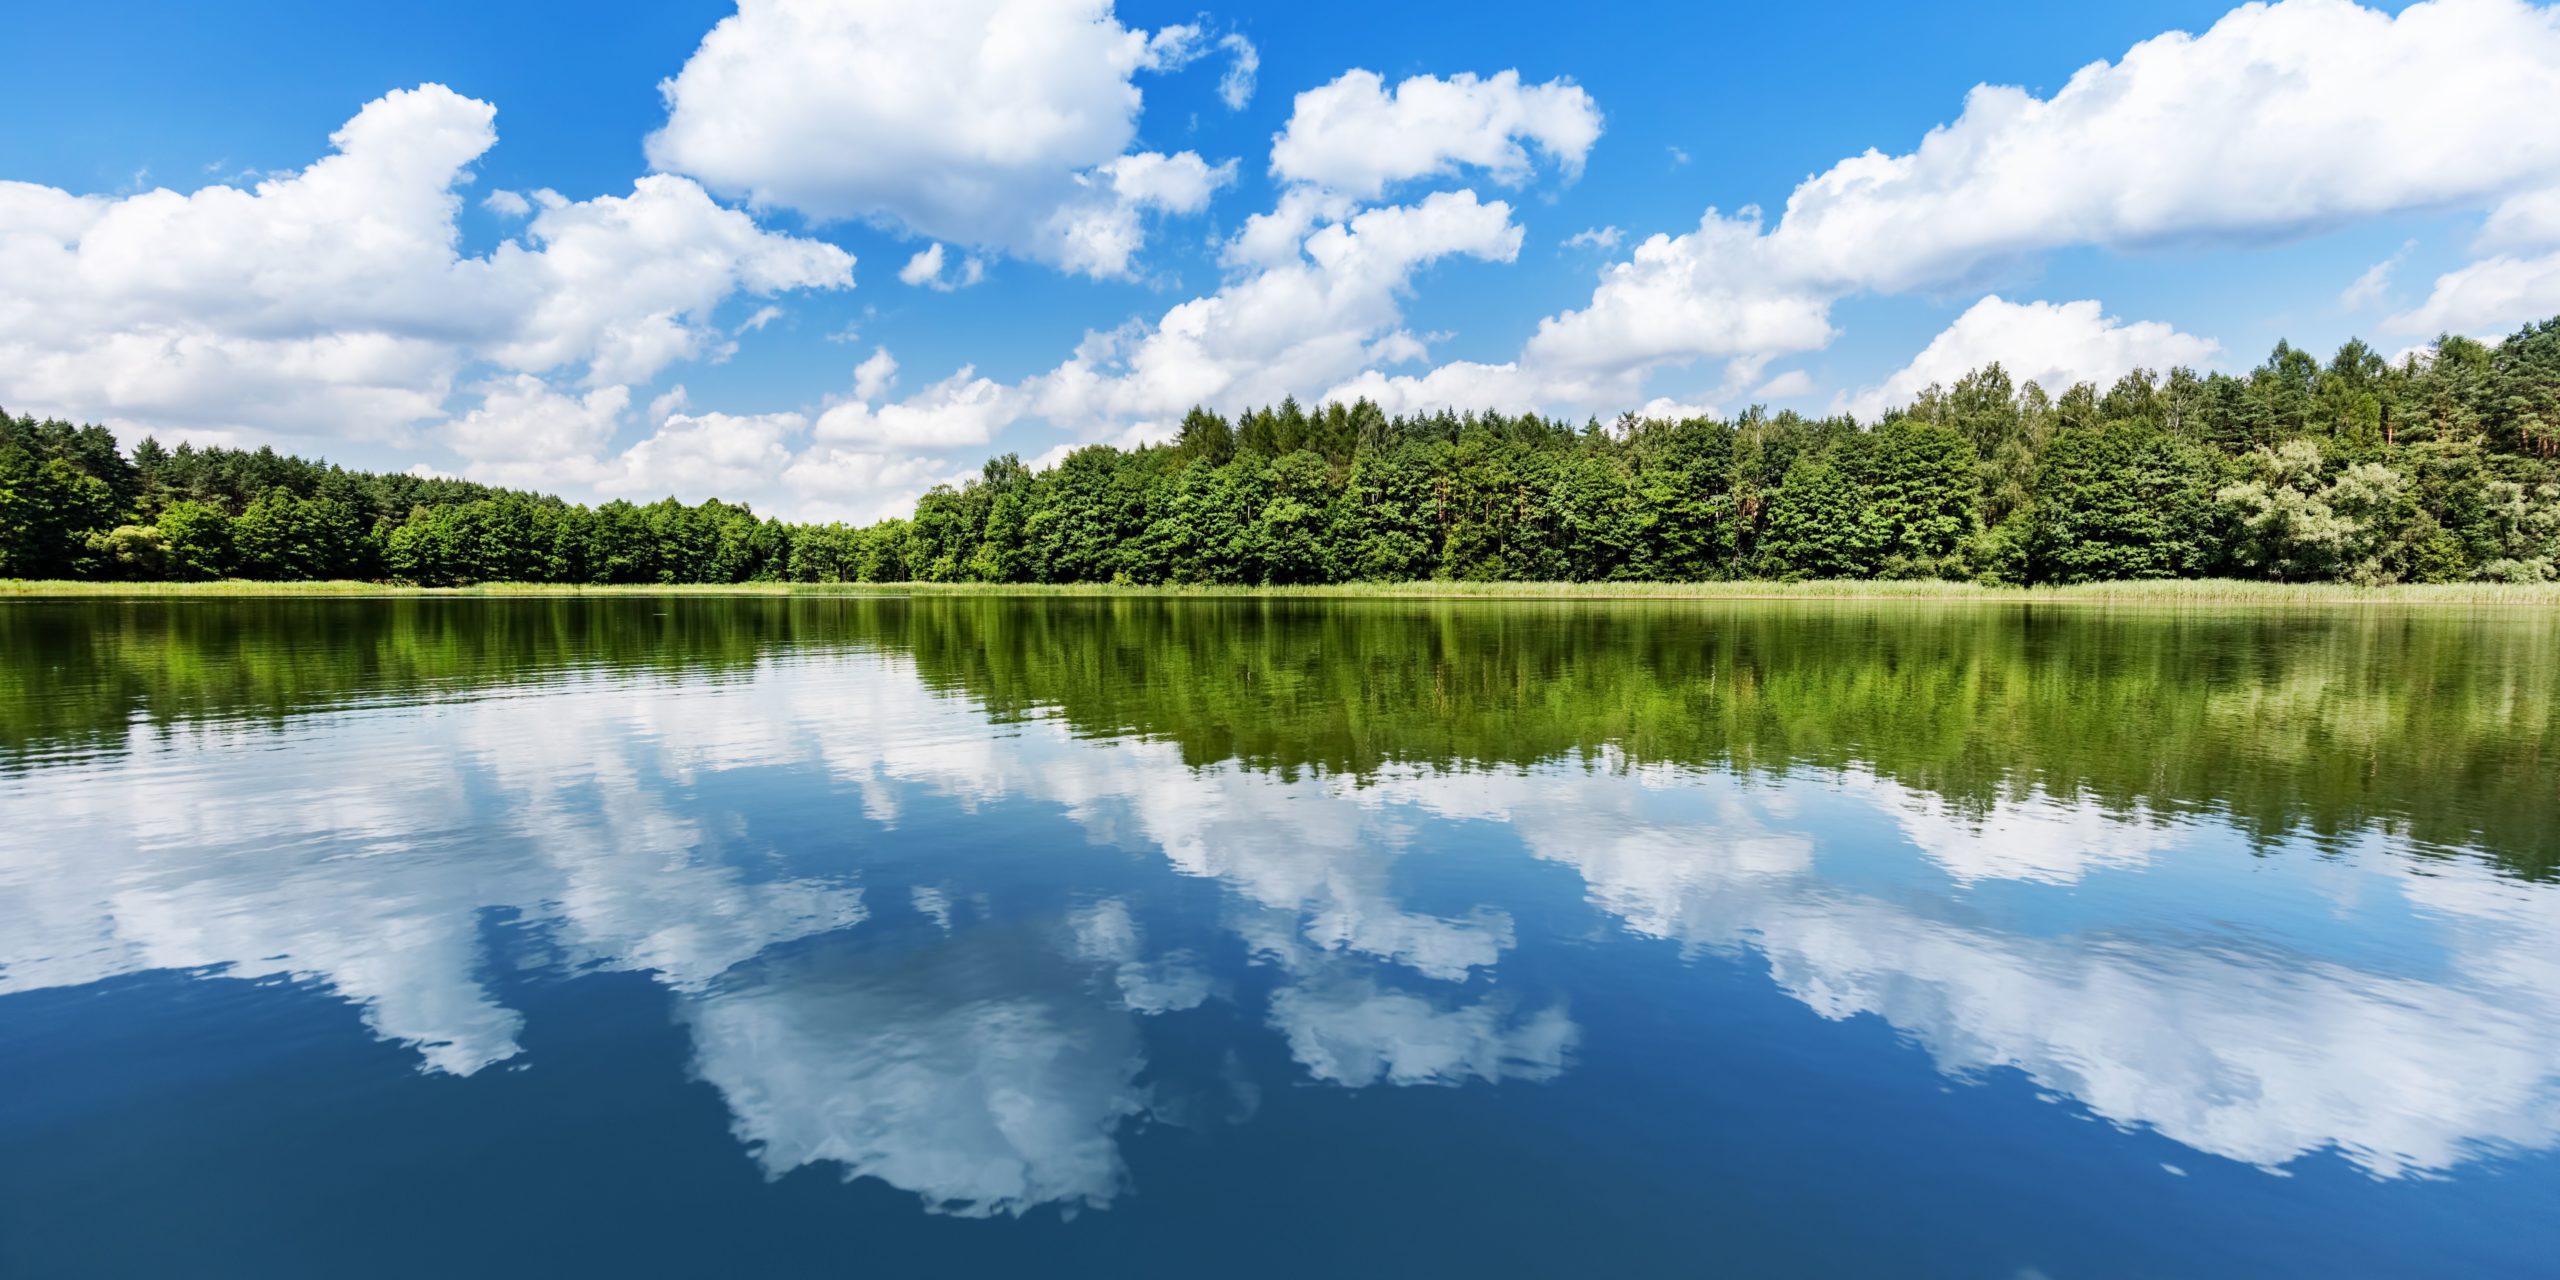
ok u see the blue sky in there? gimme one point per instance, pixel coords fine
(2191, 203)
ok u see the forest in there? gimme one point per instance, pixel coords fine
(2443, 466)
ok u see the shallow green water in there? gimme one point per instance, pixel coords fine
(1144, 936)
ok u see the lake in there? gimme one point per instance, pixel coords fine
(1141, 936)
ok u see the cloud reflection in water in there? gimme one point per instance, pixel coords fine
(988, 1060)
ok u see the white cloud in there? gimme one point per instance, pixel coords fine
(963, 409)
(696, 456)
(1315, 298)
(506, 204)
(1173, 48)
(830, 482)
(1595, 238)
(1180, 183)
(925, 267)
(1278, 237)
(925, 270)
(523, 433)
(2302, 115)
(1354, 136)
(1048, 459)
(2486, 298)
(1235, 87)
(2291, 117)
(1711, 292)
(1466, 385)
(627, 283)
(1100, 233)
(2052, 344)
(2373, 287)
(331, 302)
(874, 376)
(1666, 409)
(977, 121)
(854, 461)
(2529, 220)
(667, 404)
(1786, 386)
(1295, 324)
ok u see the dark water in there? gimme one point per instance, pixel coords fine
(1130, 938)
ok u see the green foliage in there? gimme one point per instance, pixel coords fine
(2444, 467)
(48, 509)
(285, 538)
(129, 553)
(1685, 518)
(1820, 523)
(1385, 523)
(195, 541)
(2124, 500)
(1922, 495)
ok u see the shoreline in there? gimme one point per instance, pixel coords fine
(2159, 592)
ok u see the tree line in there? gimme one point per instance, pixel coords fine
(2443, 466)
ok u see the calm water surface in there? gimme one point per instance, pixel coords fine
(1136, 937)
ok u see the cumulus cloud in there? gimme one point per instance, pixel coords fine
(2486, 298)
(1316, 294)
(925, 270)
(857, 459)
(1323, 302)
(331, 301)
(832, 482)
(874, 376)
(2302, 115)
(1711, 292)
(991, 123)
(703, 455)
(626, 283)
(523, 430)
(963, 409)
(528, 434)
(2291, 117)
(1299, 323)
(2054, 344)
(1355, 136)
(1100, 233)
(1179, 183)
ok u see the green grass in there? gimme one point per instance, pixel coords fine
(2209, 592)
